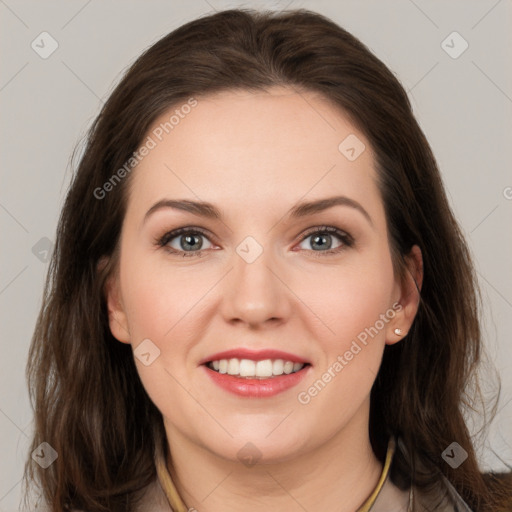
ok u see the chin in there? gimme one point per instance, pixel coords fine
(261, 443)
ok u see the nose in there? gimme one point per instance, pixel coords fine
(255, 293)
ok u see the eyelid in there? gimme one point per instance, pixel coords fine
(169, 235)
(327, 229)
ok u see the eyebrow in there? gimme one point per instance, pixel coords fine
(208, 210)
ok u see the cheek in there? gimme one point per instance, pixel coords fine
(354, 300)
(158, 295)
(363, 298)
(159, 303)
(349, 298)
(164, 303)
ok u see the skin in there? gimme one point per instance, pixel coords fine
(254, 156)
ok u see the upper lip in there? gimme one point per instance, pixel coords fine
(254, 355)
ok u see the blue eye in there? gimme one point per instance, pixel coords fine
(322, 238)
(185, 241)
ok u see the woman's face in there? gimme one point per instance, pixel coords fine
(254, 279)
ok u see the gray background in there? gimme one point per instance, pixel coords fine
(463, 104)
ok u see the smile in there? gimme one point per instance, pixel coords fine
(263, 369)
(255, 379)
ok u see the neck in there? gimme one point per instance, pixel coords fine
(338, 475)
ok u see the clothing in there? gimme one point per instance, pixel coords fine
(163, 496)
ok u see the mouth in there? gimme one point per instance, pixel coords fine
(249, 369)
(256, 378)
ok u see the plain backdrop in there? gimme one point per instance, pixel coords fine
(462, 100)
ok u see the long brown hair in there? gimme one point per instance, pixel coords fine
(89, 403)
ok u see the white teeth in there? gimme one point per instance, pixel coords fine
(223, 366)
(264, 368)
(277, 367)
(288, 367)
(233, 367)
(247, 368)
(258, 369)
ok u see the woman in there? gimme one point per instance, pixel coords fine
(259, 297)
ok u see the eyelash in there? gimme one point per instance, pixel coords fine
(346, 240)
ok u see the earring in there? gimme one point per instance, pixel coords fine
(398, 331)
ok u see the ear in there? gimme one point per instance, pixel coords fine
(116, 313)
(408, 297)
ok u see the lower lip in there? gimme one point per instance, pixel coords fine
(256, 388)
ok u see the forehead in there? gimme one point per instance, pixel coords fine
(276, 145)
